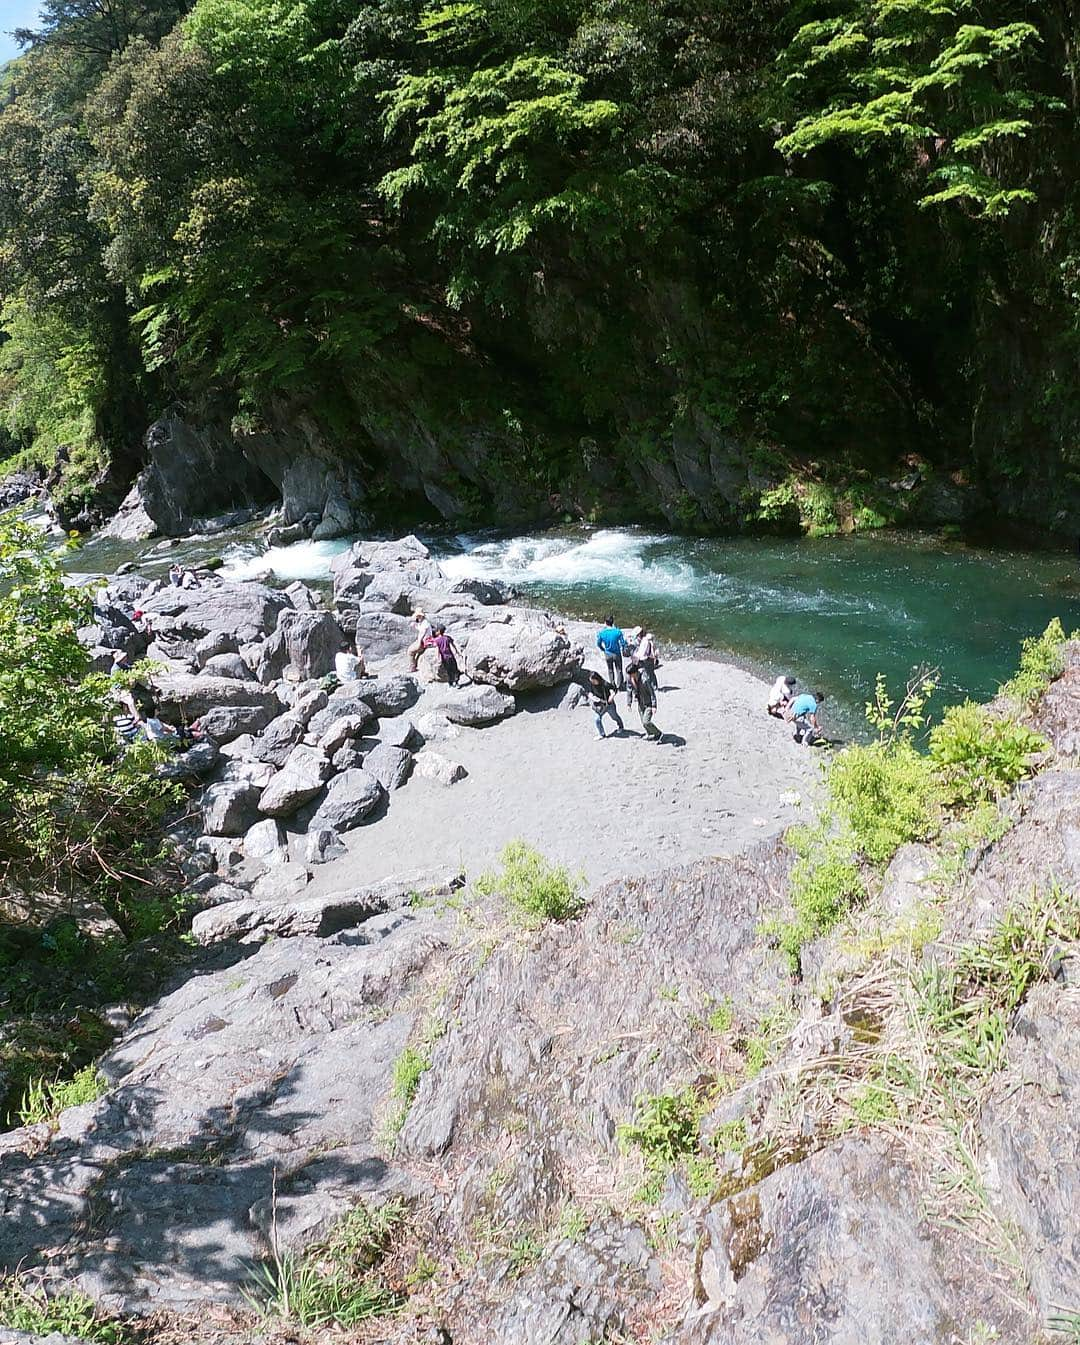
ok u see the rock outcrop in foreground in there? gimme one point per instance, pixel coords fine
(627, 1126)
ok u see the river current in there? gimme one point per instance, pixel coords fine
(833, 611)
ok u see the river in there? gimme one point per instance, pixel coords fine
(834, 611)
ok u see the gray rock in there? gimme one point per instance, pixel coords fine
(282, 883)
(229, 809)
(1030, 1124)
(475, 706)
(485, 592)
(280, 738)
(382, 634)
(339, 707)
(309, 704)
(218, 893)
(224, 723)
(248, 771)
(323, 845)
(523, 655)
(305, 772)
(573, 697)
(435, 727)
(387, 592)
(391, 766)
(397, 733)
(341, 731)
(306, 641)
(905, 886)
(193, 696)
(304, 599)
(113, 629)
(432, 766)
(222, 852)
(348, 758)
(266, 841)
(349, 798)
(217, 642)
(228, 665)
(197, 762)
(390, 695)
(245, 611)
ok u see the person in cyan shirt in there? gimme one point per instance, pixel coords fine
(803, 713)
(612, 644)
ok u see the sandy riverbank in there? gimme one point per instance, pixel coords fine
(726, 776)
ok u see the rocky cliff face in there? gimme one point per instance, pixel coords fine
(631, 1125)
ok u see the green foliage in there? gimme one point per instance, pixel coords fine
(665, 1127)
(979, 755)
(338, 1282)
(27, 1305)
(534, 889)
(886, 795)
(44, 1100)
(825, 884)
(1042, 659)
(410, 1065)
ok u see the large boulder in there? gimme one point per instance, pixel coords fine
(391, 766)
(230, 808)
(390, 695)
(487, 593)
(198, 761)
(217, 642)
(228, 665)
(398, 733)
(476, 706)
(340, 732)
(407, 558)
(279, 739)
(434, 766)
(305, 772)
(191, 696)
(226, 723)
(522, 656)
(306, 641)
(340, 707)
(266, 841)
(308, 704)
(245, 611)
(113, 629)
(349, 798)
(381, 634)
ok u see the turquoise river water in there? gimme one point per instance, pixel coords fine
(835, 612)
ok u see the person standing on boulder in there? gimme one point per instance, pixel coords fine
(449, 654)
(423, 638)
(641, 689)
(602, 701)
(612, 644)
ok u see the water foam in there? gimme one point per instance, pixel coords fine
(301, 560)
(612, 557)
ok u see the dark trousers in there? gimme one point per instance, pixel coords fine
(614, 670)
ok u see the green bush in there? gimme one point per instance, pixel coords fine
(665, 1127)
(44, 1100)
(979, 755)
(28, 1306)
(825, 884)
(534, 889)
(887, 794)
(1042, 658)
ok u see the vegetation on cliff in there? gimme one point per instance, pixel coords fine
(732, 260)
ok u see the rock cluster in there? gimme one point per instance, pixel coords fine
(290, 764)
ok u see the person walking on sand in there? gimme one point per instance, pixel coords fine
(803, 713)
(602, 702)
(612, 644)
(643, 693)
(646, 654)
(781, 696)
(424, 635)
(449, 655)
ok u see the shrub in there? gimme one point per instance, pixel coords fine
(665, 1127)
(825, 884)
(979, 755)
(28, 1306)
(534, 889)
(44, 1100)
(1042, 658)
(887, 794)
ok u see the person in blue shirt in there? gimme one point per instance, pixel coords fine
(803, 713)
(612, 644)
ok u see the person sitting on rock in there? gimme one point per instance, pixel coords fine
(641, 689)
(348, 667)
(803, 713)
(424, 635)
(602, 702)
(176, 575)
(781, 696)
(189, 579)
(612, 644)
(449, 655)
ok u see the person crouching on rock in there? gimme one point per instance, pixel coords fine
(423, 639)
(781, 696)
(641, 689)
(803, 713)
(602, 701)
(449, 654)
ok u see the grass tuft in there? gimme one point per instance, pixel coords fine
(534, 889)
